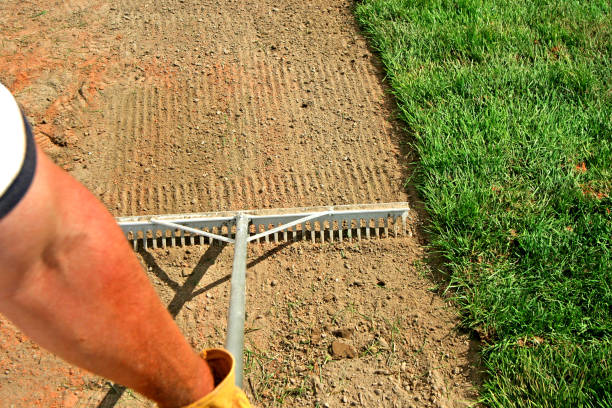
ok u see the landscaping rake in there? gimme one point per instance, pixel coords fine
(335, 223)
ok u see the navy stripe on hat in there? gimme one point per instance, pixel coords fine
(19, 187)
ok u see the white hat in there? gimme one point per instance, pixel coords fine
(12, 139)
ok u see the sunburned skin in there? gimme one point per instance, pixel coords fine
(70, 281)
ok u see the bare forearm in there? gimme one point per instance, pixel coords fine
(86, 298)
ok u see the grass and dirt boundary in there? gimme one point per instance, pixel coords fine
(508, 105)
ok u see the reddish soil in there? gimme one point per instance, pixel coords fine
(183, 106)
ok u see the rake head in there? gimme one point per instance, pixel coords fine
(316, 224)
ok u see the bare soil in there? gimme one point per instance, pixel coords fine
(199, 105)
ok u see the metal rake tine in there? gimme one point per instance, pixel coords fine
(134, 240)
(322, 231)
(405, 224)
(349, 231)
(164, 236)
(293, 233)
(386, 226)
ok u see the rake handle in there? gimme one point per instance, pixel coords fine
(235, 321)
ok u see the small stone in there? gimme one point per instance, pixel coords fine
(344, 399)
(378, 391)
(456, 370)
(383, 343)
(315, 336)
(273, 283)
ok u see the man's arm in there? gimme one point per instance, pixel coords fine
(70, 281)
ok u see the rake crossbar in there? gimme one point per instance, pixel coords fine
(314, 223)
(241, 227)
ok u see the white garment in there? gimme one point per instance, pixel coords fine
(12, 139)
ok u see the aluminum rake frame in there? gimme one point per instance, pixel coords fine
(241, 227)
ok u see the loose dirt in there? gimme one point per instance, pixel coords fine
(181, 106)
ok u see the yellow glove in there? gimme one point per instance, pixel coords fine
(225, 394)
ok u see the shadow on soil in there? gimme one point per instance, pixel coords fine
(182, 294)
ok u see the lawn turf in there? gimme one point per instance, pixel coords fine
(509, 107)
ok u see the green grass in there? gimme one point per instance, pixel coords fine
(508, 104)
